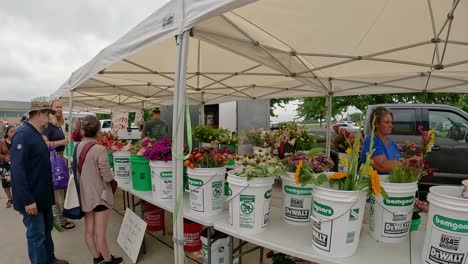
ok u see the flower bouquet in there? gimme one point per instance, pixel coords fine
(206, 134)
(257, 166)
(296, 137)
(225, 137)
(208, 157)
(260, 139)
(160, 150)
(112, 143)
(343, 140)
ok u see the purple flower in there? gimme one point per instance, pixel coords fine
(161, 150)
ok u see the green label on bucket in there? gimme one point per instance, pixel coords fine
(354, 214)
(399, 201)
(267, 194)
(166, 174)
(195, 182)
(451, 224)
(247, 198)
(323, 209)
(298, 190)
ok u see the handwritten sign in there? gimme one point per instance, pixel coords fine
(120, 123)
(131, 234)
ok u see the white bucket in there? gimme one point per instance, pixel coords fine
(219, 250)
(122, 168)
(161, 179)
(341, 166)
(390, 219)
(249, 203)
(206, 186)
(297, 201)
(446, 238)
(336, 221)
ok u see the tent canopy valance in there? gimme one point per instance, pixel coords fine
(275, 48)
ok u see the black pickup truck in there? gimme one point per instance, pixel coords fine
(449, 155)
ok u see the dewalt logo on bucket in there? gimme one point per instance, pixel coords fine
(451, 224)
(399, 201)
(445, 257)
(323, 209)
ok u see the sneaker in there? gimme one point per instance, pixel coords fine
(61, 261)
(114, 260)
(98, 260)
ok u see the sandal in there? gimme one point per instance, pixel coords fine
(68, 225)
(9, 203)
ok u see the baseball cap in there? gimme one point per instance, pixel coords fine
(40, 106)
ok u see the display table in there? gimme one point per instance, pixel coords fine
(297, 241)
(168, 206)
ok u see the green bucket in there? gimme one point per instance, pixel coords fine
(110, 157)
(415, 222)
(141, 173)
(231, 162)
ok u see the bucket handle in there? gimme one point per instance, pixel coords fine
(212, 177)
(393, 213)
(245, 187)
(332, 219)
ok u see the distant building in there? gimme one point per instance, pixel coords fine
(12, 111)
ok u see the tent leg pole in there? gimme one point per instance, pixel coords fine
(70, 122)
(329, 116)
(178, 134)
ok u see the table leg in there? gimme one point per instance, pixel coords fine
(261, 254)
(240, 251)
(124, 201)
(143, 217)
(231, 249)
(164, 222)
(208, 238)
(133, 203)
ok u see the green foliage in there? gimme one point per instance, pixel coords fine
(407, 172)
(225, 137)
(103, 116)
(205, 133)
(278, 102)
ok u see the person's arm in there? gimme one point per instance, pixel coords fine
(382, 164)
(52, 144)
(144, 131)
(103, 164)
(19, 175)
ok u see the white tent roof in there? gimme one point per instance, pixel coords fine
(277, 48)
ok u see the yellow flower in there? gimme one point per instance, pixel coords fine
(349, 151)
(298, 172)
(338, 175)
(375, 182)
(344, 161)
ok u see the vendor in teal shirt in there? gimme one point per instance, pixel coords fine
(386, 155)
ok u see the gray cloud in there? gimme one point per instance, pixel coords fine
(43, 42)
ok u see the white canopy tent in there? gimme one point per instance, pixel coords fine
(273, 49)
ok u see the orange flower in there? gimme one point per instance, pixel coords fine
(298, 172)
(338, 175)
(375, 182)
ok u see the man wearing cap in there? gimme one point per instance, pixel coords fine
(155, 128)
(32, 187)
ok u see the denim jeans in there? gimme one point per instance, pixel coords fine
(38, 233)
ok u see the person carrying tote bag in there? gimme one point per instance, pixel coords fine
(55, 139)
(95, 191)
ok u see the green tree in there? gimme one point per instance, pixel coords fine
(356, 117)
(278, 102)
(314, 107)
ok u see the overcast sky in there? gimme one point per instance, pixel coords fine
(43, 42)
